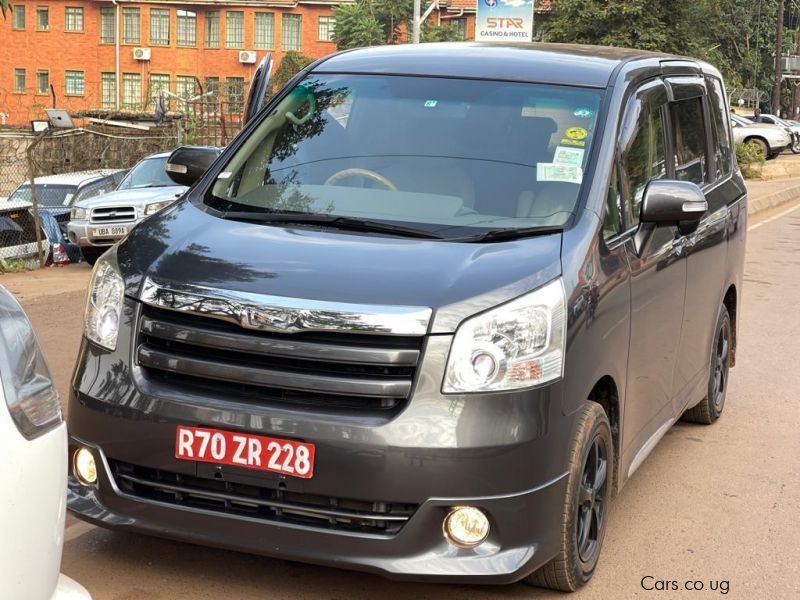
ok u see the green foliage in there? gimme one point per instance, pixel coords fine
(11, 265)
(737, 36)
(291, 65)
(357, 27)
(5, 5)
(750, 158)
(439, 33)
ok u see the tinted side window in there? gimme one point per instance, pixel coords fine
(644, 160)
(721, 133)
(689, 130)
(96, 188)
(612, 221)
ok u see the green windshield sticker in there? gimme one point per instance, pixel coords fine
(564, 173)
(568, 156)
(584, 113)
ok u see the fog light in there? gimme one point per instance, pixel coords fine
(84, 467)
(466, 527)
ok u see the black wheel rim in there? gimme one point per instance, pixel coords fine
(592, 496)
(721, 365)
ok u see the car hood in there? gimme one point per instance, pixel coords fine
(134, 197)
(186, 245)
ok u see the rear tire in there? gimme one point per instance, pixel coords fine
(586, 505)
(761, 145)
(90, 255)
(711, 407)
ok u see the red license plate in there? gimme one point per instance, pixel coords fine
(245, 450)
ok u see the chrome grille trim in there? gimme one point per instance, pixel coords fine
(279, 314)
(112, 214)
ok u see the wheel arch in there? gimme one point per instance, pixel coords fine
(606, 393)
(731, 302)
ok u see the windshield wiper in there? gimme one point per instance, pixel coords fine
(503, 235)
(347, 223)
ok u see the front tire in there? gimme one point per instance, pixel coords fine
(586, 505)
(710, 409)
(90, 255)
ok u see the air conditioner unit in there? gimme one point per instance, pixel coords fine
(141, 53)
(247, 57)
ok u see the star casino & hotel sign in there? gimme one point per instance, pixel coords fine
(504, 21)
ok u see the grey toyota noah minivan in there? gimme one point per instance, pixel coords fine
(424, 316)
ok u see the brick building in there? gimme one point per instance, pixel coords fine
(185, 47)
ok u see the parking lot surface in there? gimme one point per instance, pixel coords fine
(711, 507)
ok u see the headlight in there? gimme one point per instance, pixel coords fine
(27, 384)
(153, 208)
(77, 213)
(104, 304)
(517, 345)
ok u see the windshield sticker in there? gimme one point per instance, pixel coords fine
(584, 113)
(575, 143)
(577, 133)
(528, 111)
(67, 199)
(225, 175)
(431, 103)
(568, 156)
(564, 173)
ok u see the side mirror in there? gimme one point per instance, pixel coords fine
(672, 203)
(188, 163)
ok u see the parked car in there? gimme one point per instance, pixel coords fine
(349, 342)
(18, 233)
(55, 195)
(792, 127)
(33, 443)
(770, 139)
(99, 222)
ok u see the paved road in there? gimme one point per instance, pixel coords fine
(712, 504)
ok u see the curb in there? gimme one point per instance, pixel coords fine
(762, 203)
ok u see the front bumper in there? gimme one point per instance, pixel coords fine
(504, 453)
(80, 233)
(524, 533)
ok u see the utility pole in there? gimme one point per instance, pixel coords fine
(417, 21)
(776, 89)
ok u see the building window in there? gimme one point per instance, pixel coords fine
(234, 89)
(108, 90)
(158, 83)
(159, 27)
(73, 18)
(265, 31)
(131, 90)
(211, 87)
(19, 80)
(186, 87)
(42, 18)
(291, 30)
(74, 85)
(234, 29)
(107, 25)
(212, 29)
(42, 81)
(327, 25)
(460, 26)
(187, 28)
(131, 27)
(18, 17)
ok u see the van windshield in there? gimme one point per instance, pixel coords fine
(450, 156)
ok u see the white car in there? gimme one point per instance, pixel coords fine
(33, 444)
(771, 139)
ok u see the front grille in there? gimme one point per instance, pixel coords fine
(113, 214)
(335, 371)
(258, 502)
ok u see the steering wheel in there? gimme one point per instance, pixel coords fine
(356, 172)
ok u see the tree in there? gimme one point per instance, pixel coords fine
(356, 27)
(4, 6)
(376, 22)
(291, 65)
